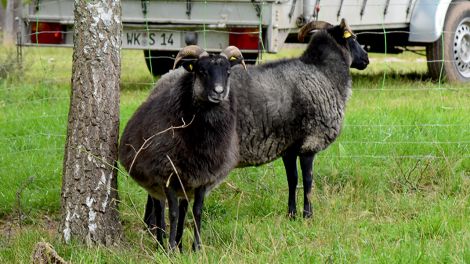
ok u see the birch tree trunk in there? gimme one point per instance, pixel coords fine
(2, 20)
(9, 30)
(89, 183)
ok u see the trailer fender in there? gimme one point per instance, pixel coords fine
(427, 20)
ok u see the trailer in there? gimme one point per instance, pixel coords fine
(162, 28)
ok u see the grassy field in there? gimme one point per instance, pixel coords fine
(394, 188)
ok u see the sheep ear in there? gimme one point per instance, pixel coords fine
(189, 53)
(347, 31)
(237, 60)
(189, 65)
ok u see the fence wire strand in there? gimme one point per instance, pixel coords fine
(380, 135)
(442, 87)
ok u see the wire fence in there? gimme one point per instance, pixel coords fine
(389, 117)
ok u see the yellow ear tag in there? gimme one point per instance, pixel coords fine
(233, 58)
(190, 67)
(347, 34)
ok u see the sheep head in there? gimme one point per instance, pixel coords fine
(345, 38)
(211, 72)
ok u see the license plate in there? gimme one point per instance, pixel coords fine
(152, 39)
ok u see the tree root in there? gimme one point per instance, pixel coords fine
(44, 253)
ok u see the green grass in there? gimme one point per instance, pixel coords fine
(394, 188)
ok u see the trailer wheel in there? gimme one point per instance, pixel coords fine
(453, 46)
(250, 58)
(159, 62)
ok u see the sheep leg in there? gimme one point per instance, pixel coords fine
(159, 210)
(183, 208)
(306, 164)
(199, 195)
(154, 218)
(173, 215)
(149, 215)
(289, 159)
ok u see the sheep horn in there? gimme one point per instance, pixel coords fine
(311, 26)
(344, 25)
(233, 53)
(190, 51)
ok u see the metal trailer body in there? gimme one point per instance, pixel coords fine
(149, 24)
(442, 26)
(161, 28)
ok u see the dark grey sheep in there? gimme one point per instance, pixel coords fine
(295, 107)
(182, 142)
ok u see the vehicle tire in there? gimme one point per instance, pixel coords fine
(453, 46)
(250, 58)
(159, 62)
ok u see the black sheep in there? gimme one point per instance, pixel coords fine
(182, 142)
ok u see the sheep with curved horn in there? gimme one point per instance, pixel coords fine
(295, 107)
(182, 142)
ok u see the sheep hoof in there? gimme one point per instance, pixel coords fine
(292, 215)
(308, 214)
(173, 249)
(196, 247)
